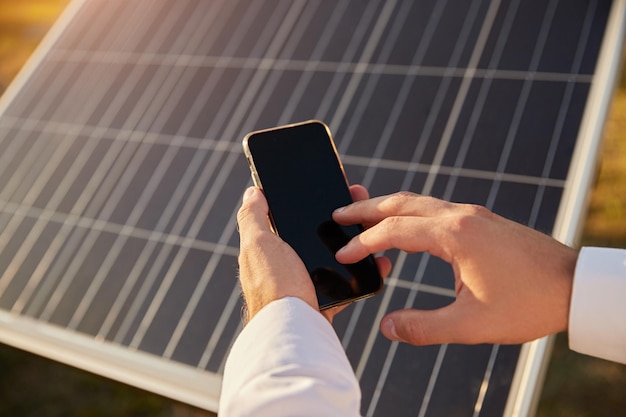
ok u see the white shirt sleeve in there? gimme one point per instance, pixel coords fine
(288, 361)
(597, 321)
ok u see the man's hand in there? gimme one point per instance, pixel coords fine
(269, 269)
(513, 283)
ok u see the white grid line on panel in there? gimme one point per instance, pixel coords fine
(427, 188)
(312, 65)
(441, 353)
(178, 140)
(484, 386)
(361, 33)
(285, 117)
(274, 44)
(159, 172)
(55, 200)
(374, 38)
(212, 264)
(520, 106)
(89, 203)
(402, 15)
(350, 50)
(403, 94)
(419, 286)
(436, 109)
(194, 167)
(50, 162)
(265, 82)
(290, 23)
(150, 97)
(71, 221)
(302, 82)
(463, 152)
(398, 267)
(233, 298)
(192, 228)
(375, 162)
(372, 81)
(127, 174)
(173, 203)
(309, 68)
(485, 86)
(564, 107)
(235, 294)
(387, 294)
(53, 86)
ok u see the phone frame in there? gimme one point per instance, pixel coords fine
(257, 182)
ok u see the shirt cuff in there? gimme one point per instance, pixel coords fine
(597, 319)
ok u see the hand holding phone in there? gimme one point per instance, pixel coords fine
(300, 173)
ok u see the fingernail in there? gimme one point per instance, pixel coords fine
(339, 210)
(248, 193)
(389, 329)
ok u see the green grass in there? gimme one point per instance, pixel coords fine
(582, 386)
(37, 387)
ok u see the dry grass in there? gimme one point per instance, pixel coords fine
(22, 25)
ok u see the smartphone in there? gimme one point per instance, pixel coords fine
(299, 171)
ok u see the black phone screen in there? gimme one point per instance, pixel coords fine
(300, 173)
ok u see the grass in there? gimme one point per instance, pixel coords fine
(37, 387)
(22, 25)
(576, 385)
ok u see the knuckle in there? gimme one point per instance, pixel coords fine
(433, 201)
(476, 210)
(255, 242)
(397, 200)
(243, 212)
(405, 194)
(390, 225)
(469, 218)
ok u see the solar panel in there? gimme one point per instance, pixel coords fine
(122, 170)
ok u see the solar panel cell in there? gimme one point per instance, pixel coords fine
(462, 372)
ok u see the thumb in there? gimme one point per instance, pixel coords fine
(253, 213)
(420, 327)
